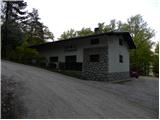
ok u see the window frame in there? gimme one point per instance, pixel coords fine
(71, 59)
(120, 42)
(121, 58)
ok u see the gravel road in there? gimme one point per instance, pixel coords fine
(53, 95)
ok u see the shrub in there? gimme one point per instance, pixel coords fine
(41, 61)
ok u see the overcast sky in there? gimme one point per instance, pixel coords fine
(61, 15)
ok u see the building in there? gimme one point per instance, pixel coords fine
(102, 56)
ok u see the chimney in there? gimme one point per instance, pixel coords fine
(96, 30)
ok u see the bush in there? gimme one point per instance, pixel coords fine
(61, 66)
(41, 61)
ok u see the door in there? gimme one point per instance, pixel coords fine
(70, 62)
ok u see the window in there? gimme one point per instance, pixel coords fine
(120, 58)
(70, 59)
(53, 59)
(94, 41)
(94, 58)
(120, 42)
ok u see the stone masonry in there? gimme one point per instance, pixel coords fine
(118, 76)
(99, 70)
(95, 70)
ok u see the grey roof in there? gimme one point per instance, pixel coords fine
(126, 36)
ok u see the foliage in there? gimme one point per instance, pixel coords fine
(107, 28)
(47, 34)
(13, 11)
(12, 14)
(140, 58)
(11, 37)
(157, 48)
(34, 28)
(156, 60)
(68, 34)
(85, 32)
(72, 33)
(25, 54)
(21, 29)
(37, 32)
(41, 61)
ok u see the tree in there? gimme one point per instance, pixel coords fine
(72, 33)
(24, 53)
(36, 31)
(112, 26)
(156, 60)
(68, 34)
(12, 15)
(21, 29)
(13, 11)
(140, 58)
(108, 28)
(47, 34)
(101, 27)
(85, 32)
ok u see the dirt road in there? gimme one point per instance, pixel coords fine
(53, 95)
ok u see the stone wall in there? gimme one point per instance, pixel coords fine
(95, 70)
(118, 76)
(99, 70)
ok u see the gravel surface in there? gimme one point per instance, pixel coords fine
(53, 95)
(12, 106)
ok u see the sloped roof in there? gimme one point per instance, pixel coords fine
(126, 36)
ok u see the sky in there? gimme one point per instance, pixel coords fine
(62, 15)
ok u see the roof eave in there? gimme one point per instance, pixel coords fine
(130, 41)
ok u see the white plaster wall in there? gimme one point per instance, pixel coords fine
(80, 45)
(114, 51)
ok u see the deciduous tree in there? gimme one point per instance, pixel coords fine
(85, 32)
(140, 58)
(68, 34)
(156, 60)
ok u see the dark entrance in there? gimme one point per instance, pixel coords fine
(71, 63)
